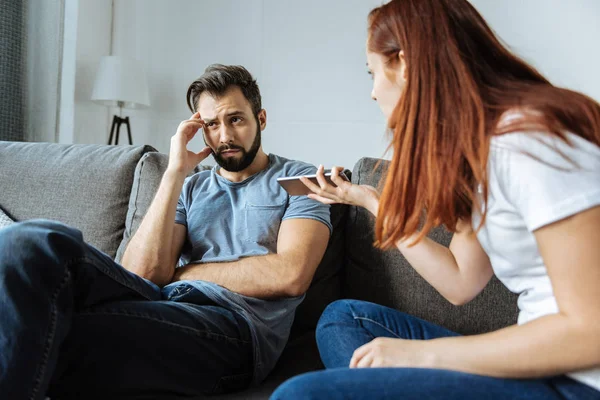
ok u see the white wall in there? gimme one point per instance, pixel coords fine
(66, 128)
(87, 37)
(558, 37)
(93, 42)
(308, 57)
(310, 68)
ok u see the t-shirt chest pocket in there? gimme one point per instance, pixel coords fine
(263, 222)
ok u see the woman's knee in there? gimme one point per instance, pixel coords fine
(338, 310)
(344, 312)
(306, 387)
(338, 319)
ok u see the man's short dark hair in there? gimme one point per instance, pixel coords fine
(218, 78)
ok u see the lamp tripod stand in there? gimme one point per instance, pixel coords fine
(117, 121)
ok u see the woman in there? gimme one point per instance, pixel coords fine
(485, 145)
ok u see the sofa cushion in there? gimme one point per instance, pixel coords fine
(387, 278)
(84, 186)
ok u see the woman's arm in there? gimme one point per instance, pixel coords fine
(554, 344)
(459, 273)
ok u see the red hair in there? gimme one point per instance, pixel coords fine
(460, 81)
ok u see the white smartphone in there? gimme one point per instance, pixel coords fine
(294, 186)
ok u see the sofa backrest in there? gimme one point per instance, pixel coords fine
(388, 279)
(325, 286)
(85, 186)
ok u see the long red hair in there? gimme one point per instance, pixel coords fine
(460, 81)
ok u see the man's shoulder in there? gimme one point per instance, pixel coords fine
(288, 167)
(196, 179)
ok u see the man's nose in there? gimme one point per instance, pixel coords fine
(225, 134)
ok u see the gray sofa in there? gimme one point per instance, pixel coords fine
(105, 191)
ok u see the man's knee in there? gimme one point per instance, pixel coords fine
(38, 243)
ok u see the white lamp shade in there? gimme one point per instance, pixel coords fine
(121, 81)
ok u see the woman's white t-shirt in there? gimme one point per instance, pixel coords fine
(532, 185)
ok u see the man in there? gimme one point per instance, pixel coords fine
(206, 296)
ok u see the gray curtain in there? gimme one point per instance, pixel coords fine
(45, 21)
(31, 37)
(12, 70)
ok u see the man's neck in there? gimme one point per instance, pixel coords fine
(261, 161)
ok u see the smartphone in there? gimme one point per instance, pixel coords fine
(295, 187)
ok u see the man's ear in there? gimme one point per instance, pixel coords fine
(262, 119)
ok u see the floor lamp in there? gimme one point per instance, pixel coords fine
(120, 82)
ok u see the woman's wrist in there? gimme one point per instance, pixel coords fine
(372, 205)
(433, 354)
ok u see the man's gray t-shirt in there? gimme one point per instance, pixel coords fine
(227, 221)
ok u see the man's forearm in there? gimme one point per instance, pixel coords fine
(149, 251)
(266, 277)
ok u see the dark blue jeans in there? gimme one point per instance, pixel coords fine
(348, 324)
(74, 324)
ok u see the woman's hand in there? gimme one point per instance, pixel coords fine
(388, 352)
(344, 192)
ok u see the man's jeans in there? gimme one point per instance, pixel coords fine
(348, 324)
(74, 324)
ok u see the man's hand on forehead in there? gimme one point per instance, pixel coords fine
(180, 158)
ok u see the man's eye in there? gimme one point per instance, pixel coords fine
(235, 119)
(210, 124)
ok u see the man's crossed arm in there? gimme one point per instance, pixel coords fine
(300, 247)
(154, 249)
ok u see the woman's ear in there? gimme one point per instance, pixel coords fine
(402, 69)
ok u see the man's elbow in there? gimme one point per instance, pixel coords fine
(154, 274)
(297, 285)
(294, 290)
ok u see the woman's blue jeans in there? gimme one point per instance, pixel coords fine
(348, 324)
(74, 324)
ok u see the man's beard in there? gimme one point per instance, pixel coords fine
(235, 164)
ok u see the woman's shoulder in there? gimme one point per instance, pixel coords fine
(545, 147)
(515, 136)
